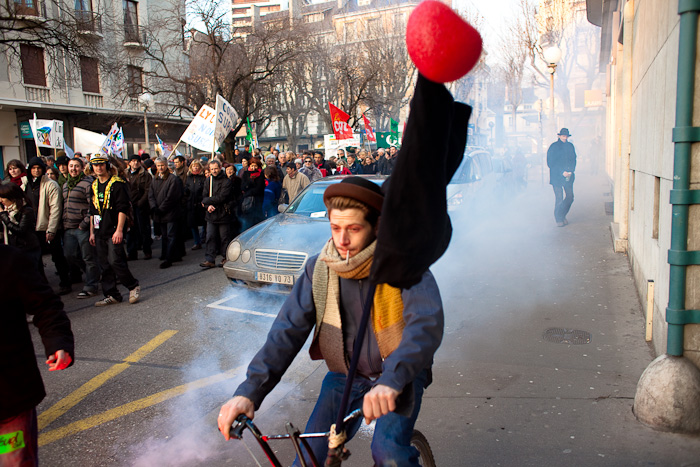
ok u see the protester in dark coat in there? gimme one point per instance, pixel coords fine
(25, 291)
(217, 197)
(164, 198)
(253, 187)
(47, 201)
(195, 210)
(139, 235)
(273, 191)
(18, 222)
(561, 160)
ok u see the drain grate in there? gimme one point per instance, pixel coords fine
(567, 336)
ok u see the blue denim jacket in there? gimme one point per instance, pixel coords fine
(423, 316)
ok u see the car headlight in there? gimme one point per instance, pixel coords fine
(245, 257)
(233, 251)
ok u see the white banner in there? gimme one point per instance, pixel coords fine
(331, 144)
(87, 142)
(226, 120)
(47, 133)
(200, 133)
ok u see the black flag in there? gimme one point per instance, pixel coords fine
(415, 229)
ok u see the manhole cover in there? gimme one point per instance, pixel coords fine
(567, 336)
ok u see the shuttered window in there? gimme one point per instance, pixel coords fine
(33, 69)
(90, 74)
(135, 83)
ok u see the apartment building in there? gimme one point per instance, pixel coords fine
(87, 65)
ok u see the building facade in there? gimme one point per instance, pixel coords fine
(640, 46)
(95, 80)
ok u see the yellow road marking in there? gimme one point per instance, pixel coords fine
(65, 404)
(126, 409)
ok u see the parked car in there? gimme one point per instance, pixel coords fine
(479, 179)
(274, 252)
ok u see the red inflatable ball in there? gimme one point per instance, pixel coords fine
(441, 44)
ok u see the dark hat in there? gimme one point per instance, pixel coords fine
(359, 189)
(564, 132)
(36, 161)
(62, 160)
(134, 157)
(148, 163)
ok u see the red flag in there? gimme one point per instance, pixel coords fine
(340, 123)
(368, 130)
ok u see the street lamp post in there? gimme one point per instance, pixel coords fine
(145, 100)
(552, 55)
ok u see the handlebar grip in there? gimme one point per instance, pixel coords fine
(238, 426)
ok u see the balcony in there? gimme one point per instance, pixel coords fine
(30, 10)
(93, 100)
(37, 93)
(88, 23)
(134, 35)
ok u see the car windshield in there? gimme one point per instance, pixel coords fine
(310, 203)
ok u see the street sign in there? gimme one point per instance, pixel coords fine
(25, 131)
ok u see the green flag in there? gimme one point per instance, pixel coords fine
(386, 139)
(394, 129)
(249, 133)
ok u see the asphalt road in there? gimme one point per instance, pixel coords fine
(150, 377)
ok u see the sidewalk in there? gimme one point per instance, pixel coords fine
(502, 394)
(506, 396)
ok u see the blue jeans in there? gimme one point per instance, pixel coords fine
(79, 252)
(391, 444)
(18, 438)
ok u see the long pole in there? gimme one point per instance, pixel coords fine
(145, 128)
(552, 68)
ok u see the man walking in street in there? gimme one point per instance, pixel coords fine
(294, 182)
(108, 214)
(76, 221)
(561, 160)
(164, 198)
(217, 198)
(139, 235)
(47, 201)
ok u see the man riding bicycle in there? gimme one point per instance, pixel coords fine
(406, 328)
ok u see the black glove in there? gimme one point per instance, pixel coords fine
(4, 216)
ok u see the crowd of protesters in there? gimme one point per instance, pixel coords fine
(94, 214)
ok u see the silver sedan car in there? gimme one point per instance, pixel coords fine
(274, 252)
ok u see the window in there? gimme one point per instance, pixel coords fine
(373, 26)
(27, 7)
(83, 5)
(90, 74)
(398, 22)
(349, 31)
(363, 2)
(131, 21)
(135, 81)
(33, 69)
(313, 18)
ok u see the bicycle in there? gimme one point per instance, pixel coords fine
(418, 440)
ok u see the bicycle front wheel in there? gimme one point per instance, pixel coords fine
(425, 454)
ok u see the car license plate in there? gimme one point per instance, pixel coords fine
(286, 279)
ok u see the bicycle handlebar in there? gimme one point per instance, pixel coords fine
(242, 422)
